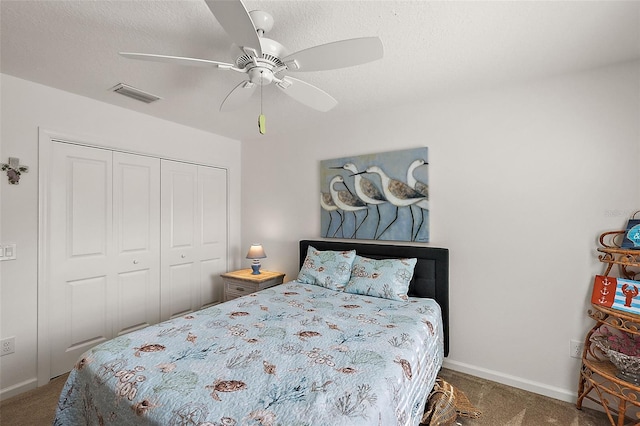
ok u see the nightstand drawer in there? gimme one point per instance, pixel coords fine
(243, 282)
(238, 288)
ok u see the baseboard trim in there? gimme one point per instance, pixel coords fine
(18, 388)
(509, 380)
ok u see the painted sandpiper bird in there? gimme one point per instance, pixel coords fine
(421, 187)
(366, 190)
(347, 202)
(326, 202)
(398, 194)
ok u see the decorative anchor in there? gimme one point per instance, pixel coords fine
(14, 169)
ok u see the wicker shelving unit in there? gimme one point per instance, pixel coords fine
(598, 376)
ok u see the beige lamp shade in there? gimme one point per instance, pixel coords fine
(256, 252)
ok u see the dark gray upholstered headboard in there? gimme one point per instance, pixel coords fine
(430, 277)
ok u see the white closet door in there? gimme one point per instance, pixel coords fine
(194, 237)
(212, 197)
(180, 219)
(133, 240)
(81, 289)
(136, 218)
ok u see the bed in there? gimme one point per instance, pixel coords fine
(301, 353)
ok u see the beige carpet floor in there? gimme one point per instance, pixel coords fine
(33, 408)
(503, 405)
(500, 405)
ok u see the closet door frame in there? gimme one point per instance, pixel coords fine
(46, 138)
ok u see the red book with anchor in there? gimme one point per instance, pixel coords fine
(616, 293)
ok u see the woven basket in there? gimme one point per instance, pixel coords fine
(441, 405)
(445, 404)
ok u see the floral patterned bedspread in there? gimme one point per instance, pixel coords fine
(294, 354)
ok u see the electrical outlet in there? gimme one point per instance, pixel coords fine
(7, 346)
(8, 251)
(575, 349)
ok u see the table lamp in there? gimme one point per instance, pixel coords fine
(256, 252)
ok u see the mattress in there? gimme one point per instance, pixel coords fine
(294, 354)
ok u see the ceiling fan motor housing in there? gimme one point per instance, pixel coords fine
(272, 51)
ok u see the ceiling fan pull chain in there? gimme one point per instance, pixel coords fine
(261, 118)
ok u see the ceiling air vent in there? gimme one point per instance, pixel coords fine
(134, 93)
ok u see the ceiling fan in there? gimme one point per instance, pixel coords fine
(265, 61)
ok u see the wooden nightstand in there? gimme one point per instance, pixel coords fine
(243, 282)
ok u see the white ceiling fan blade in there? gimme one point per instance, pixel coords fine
(307, 94)
(339, 54)
(177, 60)
(238, 96)
(234, 18)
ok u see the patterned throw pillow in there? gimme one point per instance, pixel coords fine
(384, 278)
(329, 269)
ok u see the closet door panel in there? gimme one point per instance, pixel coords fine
(88, 204)
(135, 307)
(136, 207)
(179, 221)
(194, 236)
(180, 294)
(183, 205)
(81, 285)
(209, 283)
(212, 194)
(85, 299)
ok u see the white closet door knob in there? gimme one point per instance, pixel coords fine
(135, 262)
(183, 256)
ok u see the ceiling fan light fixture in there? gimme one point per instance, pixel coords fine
(261, 76)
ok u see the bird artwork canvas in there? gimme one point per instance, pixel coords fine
(383, 196)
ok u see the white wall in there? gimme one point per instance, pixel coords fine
(26, 107)
(522, 182)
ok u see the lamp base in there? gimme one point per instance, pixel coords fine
(256, 269)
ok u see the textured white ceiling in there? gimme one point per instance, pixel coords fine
(432, 48)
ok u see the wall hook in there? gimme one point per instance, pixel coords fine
(14, 169)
